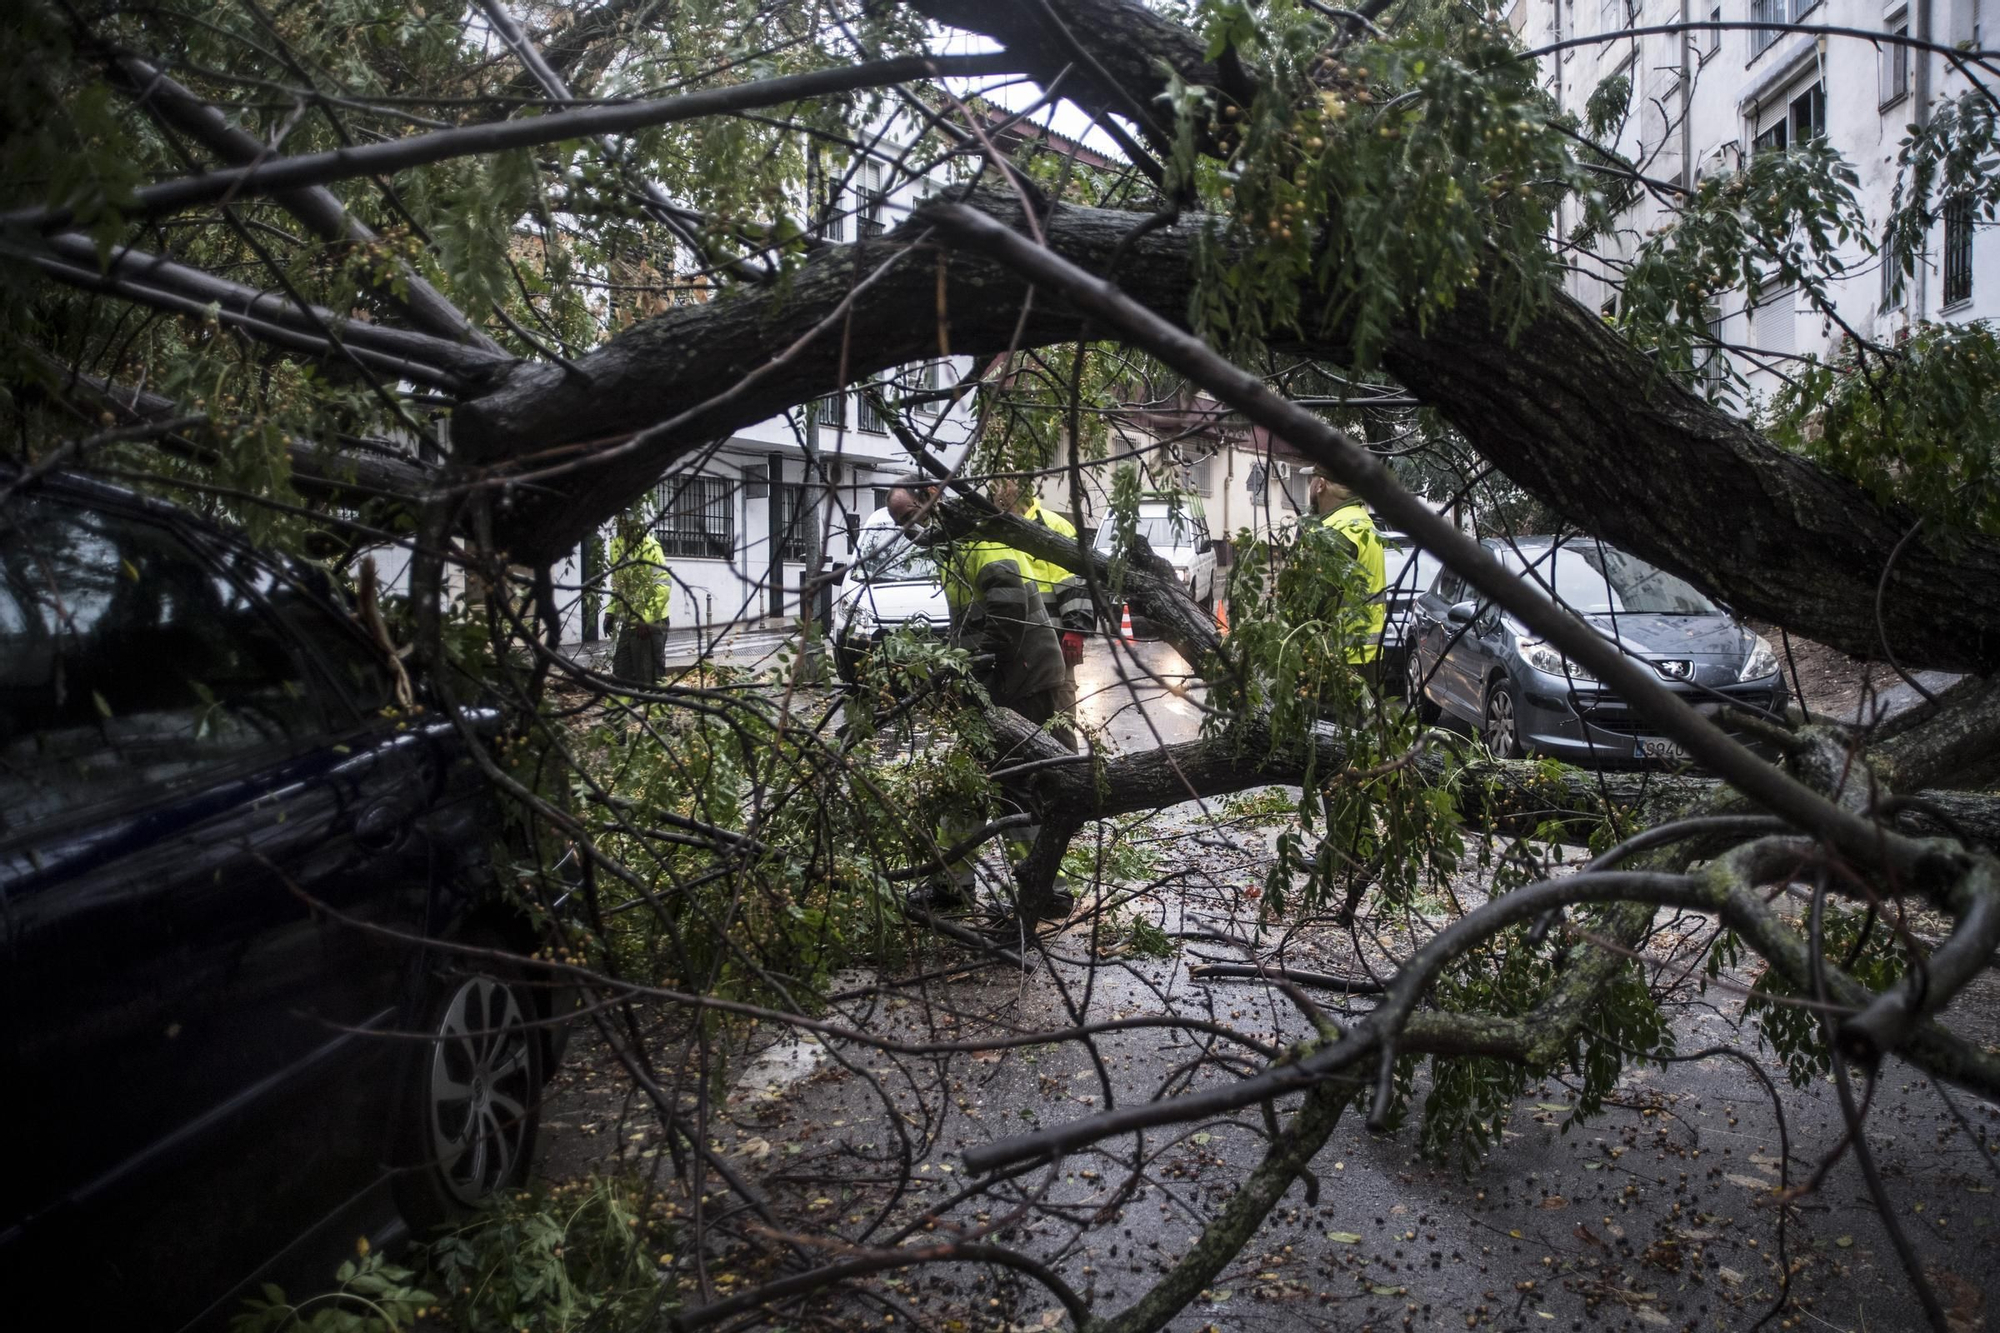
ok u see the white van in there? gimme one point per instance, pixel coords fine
(892, 583)
(1181, 540)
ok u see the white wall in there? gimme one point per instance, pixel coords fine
(1720, 91)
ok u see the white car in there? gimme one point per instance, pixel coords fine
(892, 583)
(1179, 539)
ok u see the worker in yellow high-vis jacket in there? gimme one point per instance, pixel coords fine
(639, 599)
(998, 617)
(1065, 595)
(1346, 519)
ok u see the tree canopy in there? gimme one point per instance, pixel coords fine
(470, 280)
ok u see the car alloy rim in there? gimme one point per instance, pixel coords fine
(480, 1085)
(1413, 672)
(1500, 722)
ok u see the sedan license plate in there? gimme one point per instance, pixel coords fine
(1661, 749)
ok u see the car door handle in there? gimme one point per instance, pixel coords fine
(382, 825)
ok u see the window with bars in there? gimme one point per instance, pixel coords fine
(697, 517)
(1767, 11)
(1896, 62)
(831, 410)
(1958, 250)
(871, 209)
(867, 418)
(797, 523)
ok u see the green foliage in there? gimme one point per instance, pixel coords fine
(1339, 155)
(1920, 428)
(371, 1295)
(1784, 219)
(1794, 1030)
(1954, 156)
(581, 1255)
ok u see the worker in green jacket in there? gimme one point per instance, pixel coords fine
(639, 598)
(1065, 595)
(1346, 519)
(998, 617)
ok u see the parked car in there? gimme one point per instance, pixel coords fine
(1475, 662)
(892, 584)
(235, 1038)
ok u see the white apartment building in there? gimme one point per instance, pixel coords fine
(745, 524)
(1704, 99)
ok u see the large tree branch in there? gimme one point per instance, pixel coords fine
(315, 206)
(310, 169)
(1620, 450)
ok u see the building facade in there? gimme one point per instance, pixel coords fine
(1703, 99)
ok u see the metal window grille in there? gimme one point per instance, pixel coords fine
(697, 517)
(831, 410)
(870, 212)
(797, 523)
(1958, 251)
(1767, 11)
(867, 418)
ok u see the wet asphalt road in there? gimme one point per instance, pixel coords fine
(1658, 1214)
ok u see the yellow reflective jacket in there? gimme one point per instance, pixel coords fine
(1364, 623)
(639, 579)
(997, 612)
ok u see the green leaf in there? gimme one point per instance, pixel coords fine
(1344, 1237)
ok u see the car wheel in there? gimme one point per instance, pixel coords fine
(1502, 728)
(471, 1108)
(1413, 690)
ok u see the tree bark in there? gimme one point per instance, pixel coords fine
(1566, 408)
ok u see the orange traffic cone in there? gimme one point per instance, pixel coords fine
(1222, 617)
(1125, 629)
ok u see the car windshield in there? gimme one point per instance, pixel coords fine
(887, 556)
(1593, 578)
(1161, 531)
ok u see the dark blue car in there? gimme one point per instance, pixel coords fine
(1475, 662)
(228, 867)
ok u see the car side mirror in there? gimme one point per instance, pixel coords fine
(1462, 613)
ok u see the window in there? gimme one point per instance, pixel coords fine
(697, 517)
(1808, 115)
(873, 203)
(1958, 250)
(1773, 322)
(1896, 62)
(881, 497)
(931, 380)
(130, 666)
(1201, 475)
(1767, 11)
(798, 523)
(1794, 121)
(867, 418)
(1611, 15)
(1713, 361)
(1715, 33)
(831, 410)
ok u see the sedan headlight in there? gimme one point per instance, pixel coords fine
(861, 621)
(1544, 658)
(1762, 662)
